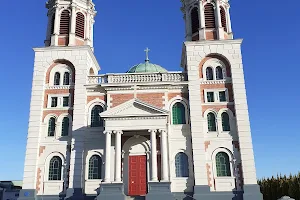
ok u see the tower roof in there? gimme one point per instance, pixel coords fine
(147, 67)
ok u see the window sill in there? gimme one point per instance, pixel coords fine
(180, 178)
(59, 108)
(94, 180)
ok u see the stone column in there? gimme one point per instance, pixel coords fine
(73, 26)
(164, 155)
(87, 28)
(118, 154)
(202, 35)
(153, 155)
(220, 29)
(228, 21)
(188, 25)
(107, 155)
(54, 38)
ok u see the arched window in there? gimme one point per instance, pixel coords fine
(64, 22)
(211, 122)
(223, 164)
(52, 23)
(223, 18)
(209, 13)
(182, 165)
(209, 73)
(95, 166)
(219, 73)
(195, 20)
(57, 78)
(80, 23)
(55, 167)
(51, 127)
(178, 113)
(225, 122)
(66, 78)
(65, 127)
(96, 120)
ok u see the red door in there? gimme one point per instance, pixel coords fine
(137, 175)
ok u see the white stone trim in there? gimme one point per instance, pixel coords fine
(47, 165)
(60, 98)
(173, 168)
(213, 158)
(87, 162)
(214, 63)
(60, 68)
(91, 105)
(216, 96)
(182, 100)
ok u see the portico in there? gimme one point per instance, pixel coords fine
(139, 134)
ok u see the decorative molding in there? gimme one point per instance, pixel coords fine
(211, 82)
(134, 118)
(59, 87)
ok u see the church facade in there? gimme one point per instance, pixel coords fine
(148, 133)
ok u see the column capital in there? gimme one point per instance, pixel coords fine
(152, 130)
(162, 130)
(107, 132)
(118, 132)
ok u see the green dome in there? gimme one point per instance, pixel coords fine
(147, 67)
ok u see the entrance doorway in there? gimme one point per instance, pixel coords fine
(137, 175)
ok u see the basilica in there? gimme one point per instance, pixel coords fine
(148, 133)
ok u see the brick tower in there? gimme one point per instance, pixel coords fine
(213, 62)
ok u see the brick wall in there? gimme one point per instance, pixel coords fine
(117, 99)
(155, 99)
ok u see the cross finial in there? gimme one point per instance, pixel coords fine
(147, 54)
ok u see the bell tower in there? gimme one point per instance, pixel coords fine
(207, 20)
(70, 22)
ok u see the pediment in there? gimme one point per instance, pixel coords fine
(134, 108)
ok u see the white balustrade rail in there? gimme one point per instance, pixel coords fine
(138, 78)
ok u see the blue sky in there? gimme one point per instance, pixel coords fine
(124, 29)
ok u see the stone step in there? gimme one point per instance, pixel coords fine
(135, 197)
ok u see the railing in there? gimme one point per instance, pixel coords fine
(138, 78)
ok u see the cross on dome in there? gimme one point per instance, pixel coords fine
(147, 54)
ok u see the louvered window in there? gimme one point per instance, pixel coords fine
(52, 23)
(195, 20)
(223, 18)
(209, 13)
(80, 23)
(65, 22)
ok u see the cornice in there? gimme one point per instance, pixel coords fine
(135, 118)
(215, 42)
(70, 48)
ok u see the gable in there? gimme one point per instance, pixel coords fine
(134, 107)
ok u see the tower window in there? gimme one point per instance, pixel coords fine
(95, 165)
(52, 23)
(57, 78)
(178, 114)
(195, 20)
(211, 122)
(209, 73)
(65, 127)
(222, 96)
(51, 127)
(55, 167)
(223, 164)
(225, 122)
(96, 120)
(219, 73)
(80, 23)
(53, 102)
(182, 165)
(223, 18)
(66, 78)
(65, 22)
(209, 13)
(210, 97)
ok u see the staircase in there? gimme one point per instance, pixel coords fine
(135, 197)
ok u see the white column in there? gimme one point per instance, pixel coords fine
(188, 25)
(164, 155)
(54, 38)
(118, 154)
(72, 41)
(228, 21)
(153, 155)
(218, 14)
(107, 155)
(87, 26)
(201, 14)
